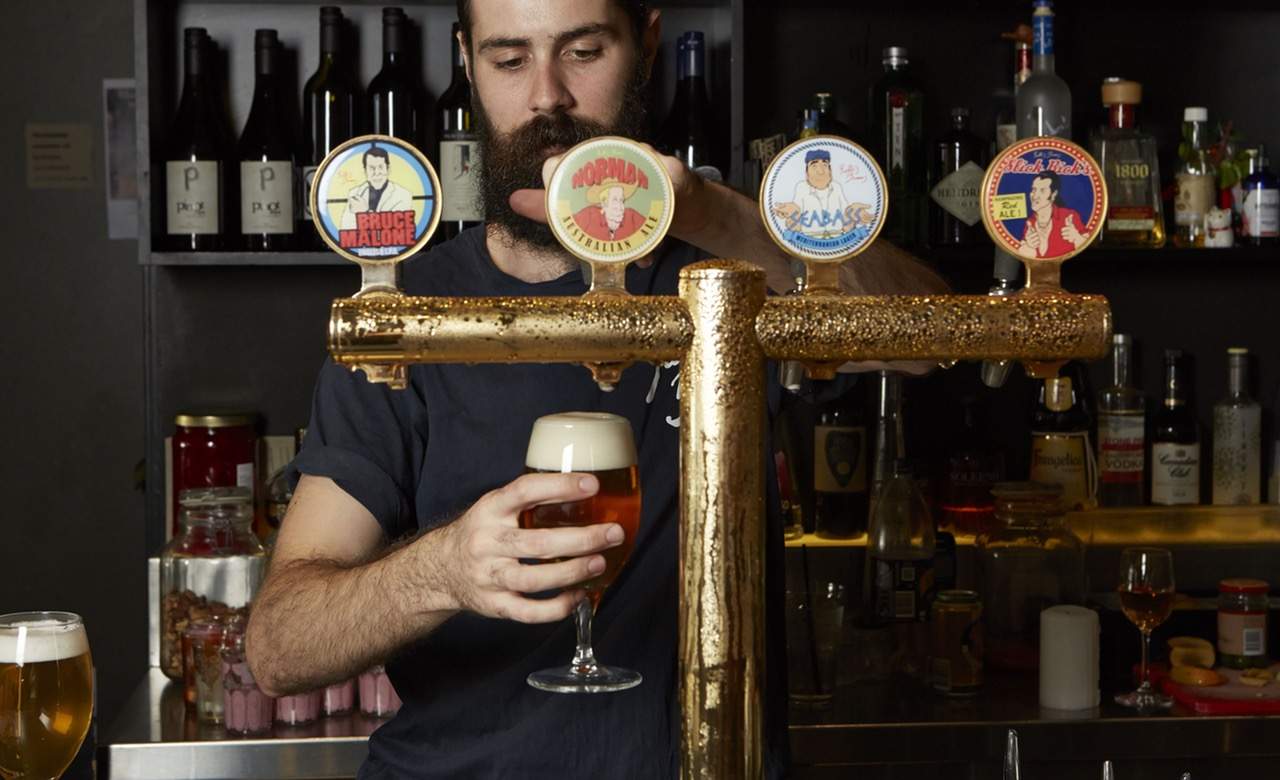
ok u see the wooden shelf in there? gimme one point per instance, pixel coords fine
(239, 259)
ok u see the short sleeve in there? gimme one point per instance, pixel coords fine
(368, 439)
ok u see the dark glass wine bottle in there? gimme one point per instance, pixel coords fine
(840, 497)
(459, 151)
(687, 132)
(330, 108)
(393, 93)
(196, 157)
(266, 152)
(1175, 440)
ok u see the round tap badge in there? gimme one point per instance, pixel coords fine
(610, 201)
(1043, 199)
(376, 199)
(823, 198)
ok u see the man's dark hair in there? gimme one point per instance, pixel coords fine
(375, 151)
(637, 11)
(1055, 186)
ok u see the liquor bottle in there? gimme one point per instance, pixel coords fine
(807, 123)
(687, 132)
(267, 217)
(971, 467)
(785, 460)
(1197, 180)
(1006, 99)
(900, 548)
(393, 93)
(1261, 211)
(828, 121)
(1175, 440)
(1237, 438)
(197, 154)
(897, 116)
(330, 110)
(840, 467)
(1273, 485)
(459, 151)
(1122, 447)
(1130, 166)
(957, 168)
(1060, 450)
(890, 442)
(1044, 101)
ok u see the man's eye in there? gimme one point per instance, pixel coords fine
(583, 55)
(510, 64)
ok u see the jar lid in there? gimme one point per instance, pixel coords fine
(214, 496)
(958, 596)
(1243, 585)
(215, 419)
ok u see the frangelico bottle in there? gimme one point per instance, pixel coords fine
(840, 467)
(1061, 453)
(267, 217)
(686, 133)
(459, 151)
(197, 153)
(394, 93)
(330, 110)
(1175, 440)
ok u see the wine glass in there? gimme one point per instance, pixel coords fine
(46, 693)
(1146, 596)
(600, 444)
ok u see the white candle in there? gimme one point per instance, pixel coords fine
(1069, 658)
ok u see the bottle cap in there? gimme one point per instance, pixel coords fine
(959, 111)
(895, 55)
(330, 13)
(265, 39)
(1117, 91)
(1237, 351)
(1195, 114)
(1057, 393)
(1171, 355)
(1121, 339)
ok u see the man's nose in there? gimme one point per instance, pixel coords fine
(549, 93)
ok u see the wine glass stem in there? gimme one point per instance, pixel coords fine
(584, 658)
(1143, 683)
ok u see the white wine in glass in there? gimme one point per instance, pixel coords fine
(1146, 597)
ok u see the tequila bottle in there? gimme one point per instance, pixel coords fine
(1044, 100)
(1127, 155)
(1197, 180)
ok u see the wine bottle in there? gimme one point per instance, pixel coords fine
(267, 159)
(687, 131)
(330, 108)
(195, 161)
(840, 467)
(1175, 441)
(393, 93)
(459, 151)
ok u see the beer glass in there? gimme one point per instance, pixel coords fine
(46, 693)
(1146, 597)
(599, 444)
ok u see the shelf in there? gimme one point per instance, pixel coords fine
(238, 259)
(1239, 255)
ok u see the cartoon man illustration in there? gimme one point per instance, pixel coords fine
(819, 208)
(1052, 228)
(377, 192)
(606, 217)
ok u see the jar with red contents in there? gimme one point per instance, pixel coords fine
(213, 450)
(1242, 623)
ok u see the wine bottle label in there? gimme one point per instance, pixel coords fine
(266, 197)
(839, 461)
(308, 176)
(1175, 473)
(1121, 448)
(898, 132)
(958, 193)
(459, 160)
(1261, 213)
(901, 590)
(191, 190)
(1063, 459)
(1237, 455)
(1194, 199)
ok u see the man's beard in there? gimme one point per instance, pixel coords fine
(513, 161)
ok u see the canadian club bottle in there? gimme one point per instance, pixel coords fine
(1175, 440)
(330, 109)
(459, 151)
(1122, 417)
(267, 217)
(197, 153)
(1060, 449)
(687, 131)
(840, 467)
(393, 93)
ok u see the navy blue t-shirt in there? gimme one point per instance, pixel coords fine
(418, 458)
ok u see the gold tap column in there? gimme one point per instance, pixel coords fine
(722, 524)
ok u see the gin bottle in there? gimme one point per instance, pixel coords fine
(1237, 438)
(1260, 214)
(1044, 101)
(1127, 155)
(897, 116)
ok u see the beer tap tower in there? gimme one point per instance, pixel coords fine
(722, 329)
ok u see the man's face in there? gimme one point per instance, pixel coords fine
(1041, 195)
(818, 173)
(375, 170)
(614, 205)
(548, 74)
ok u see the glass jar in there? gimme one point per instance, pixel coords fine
(1029, 562)
(956, 657)
(246, 709)
(213, 450)
(212, 568)
(1242, 623)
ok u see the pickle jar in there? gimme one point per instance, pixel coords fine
(1242, 623)
(211, 569)
(1027, 562)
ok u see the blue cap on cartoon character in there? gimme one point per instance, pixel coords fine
(817, 154)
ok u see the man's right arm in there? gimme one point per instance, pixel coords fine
(337, 600)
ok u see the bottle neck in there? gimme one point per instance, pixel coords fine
(1123, 116)
(330, 40)
(1021, 66)
(1043, 63)
(1175, 395)
(1238, 378)
(1121, 362)
(393, 44)
(1194, 133)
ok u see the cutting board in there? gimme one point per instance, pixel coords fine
(1231, 698)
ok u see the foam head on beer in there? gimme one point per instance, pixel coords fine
(39, 641)
(581, 441)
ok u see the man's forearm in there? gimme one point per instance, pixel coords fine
(317, 622)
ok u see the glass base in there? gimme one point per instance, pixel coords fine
(1144, 699)
(578, 679)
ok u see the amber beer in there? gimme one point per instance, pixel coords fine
(46, 693)
(594, 443)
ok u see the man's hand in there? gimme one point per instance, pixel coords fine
(1071, 233)
(1027, 249)
(481, 551)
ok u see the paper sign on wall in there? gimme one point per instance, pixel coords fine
(58, 156)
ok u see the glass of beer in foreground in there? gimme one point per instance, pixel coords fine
(599, 444)
(46, 693)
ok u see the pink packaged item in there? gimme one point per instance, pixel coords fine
(377, 697)
(339, 699)
(246, 709)
(298, 708)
